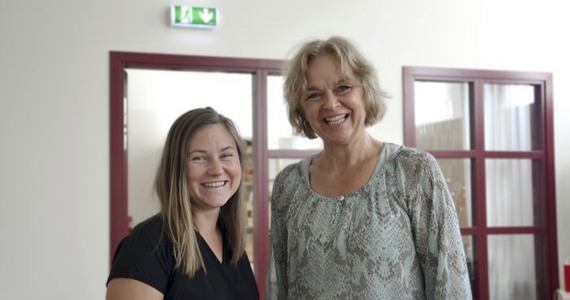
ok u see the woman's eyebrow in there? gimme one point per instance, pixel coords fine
(229, 148)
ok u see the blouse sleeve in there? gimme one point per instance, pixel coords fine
(435, 228)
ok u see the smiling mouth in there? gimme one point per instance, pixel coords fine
(214, 184)
(336, 119)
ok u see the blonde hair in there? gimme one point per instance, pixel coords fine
(175, 198)
(353, 66)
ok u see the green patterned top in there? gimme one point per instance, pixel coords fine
(397, 237)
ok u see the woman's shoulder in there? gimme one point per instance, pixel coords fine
(153, 224)
(412, 165)
(147, 239)
(410, 155)
(150, 230)
(289, 180)
(411, 168)
(291, 172)
(145, 254)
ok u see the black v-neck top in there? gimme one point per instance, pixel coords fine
(146, 255)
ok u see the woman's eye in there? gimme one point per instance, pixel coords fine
(198, 158)
(313, 96)
(227, 156)
(343, 89)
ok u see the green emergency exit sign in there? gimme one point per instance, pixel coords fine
(192, 16)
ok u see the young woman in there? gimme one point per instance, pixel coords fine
(194, 248)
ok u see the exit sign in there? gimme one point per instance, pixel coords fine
(192, 16)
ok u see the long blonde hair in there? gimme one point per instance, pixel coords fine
(175, 198)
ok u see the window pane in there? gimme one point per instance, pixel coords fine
(512, 267)
(442, 115)
(280, 133)
(458, 175)
(510, 193)
(509, 125)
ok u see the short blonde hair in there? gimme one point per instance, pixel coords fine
(353, 66)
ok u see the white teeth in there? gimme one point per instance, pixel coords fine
(214, 184)
(336, 119)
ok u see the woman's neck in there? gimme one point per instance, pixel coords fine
(349, 155)
(206, 223)
(211, 233)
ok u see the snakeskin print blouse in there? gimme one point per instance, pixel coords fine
(396, 237)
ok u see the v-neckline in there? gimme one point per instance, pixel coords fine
(211, 252)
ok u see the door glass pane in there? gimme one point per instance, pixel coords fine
(458, 175)
(511, 191)
(279, 131)
(512, 267)
(509, 121)
(442, 115)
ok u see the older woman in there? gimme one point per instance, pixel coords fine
(362, 219)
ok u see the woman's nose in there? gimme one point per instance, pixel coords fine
(215, 167)
(331, 101)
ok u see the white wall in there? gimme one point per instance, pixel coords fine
(54, 100)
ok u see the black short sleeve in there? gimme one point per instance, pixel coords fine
(145, 255)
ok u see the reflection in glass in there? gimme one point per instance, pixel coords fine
(512, 267)
(508, 117)
(279, 131)
(510, 192)
(442, 115)
(457, 172)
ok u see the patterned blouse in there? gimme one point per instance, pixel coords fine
(396, 237)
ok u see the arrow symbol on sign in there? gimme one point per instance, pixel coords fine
(206, 15)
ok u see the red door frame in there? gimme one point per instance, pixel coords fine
(259, 68)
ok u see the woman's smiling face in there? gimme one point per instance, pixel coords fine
(213, 167)
(333, 104)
